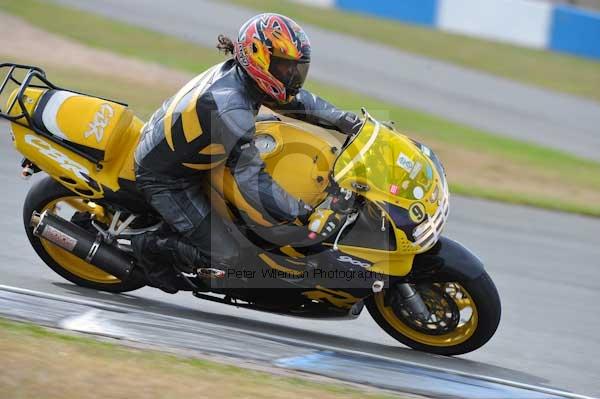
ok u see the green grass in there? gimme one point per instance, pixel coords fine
(42, 359)
(555, 167)
(537, 67)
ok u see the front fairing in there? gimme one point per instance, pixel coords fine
(402, 177)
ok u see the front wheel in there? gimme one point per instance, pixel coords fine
(463, 316)
(48, 195)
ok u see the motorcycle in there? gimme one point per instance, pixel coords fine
(426, 290)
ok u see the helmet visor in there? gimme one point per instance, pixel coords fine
(291, 73)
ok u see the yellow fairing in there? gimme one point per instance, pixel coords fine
(394, 173)
(289, 152)
(298, 160)
(102, 126)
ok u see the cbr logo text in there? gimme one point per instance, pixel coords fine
(65, 162)
(100, 122)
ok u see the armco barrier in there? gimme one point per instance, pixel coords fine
(529, 23)
(422, 12)
(575, 31)
(515, 21)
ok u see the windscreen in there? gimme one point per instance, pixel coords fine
(390, 165)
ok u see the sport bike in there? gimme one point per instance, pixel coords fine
(388, 253)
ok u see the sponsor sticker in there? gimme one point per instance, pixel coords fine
(417, 212)
(415, 170)
(394, 189)
(59, 238)
(429, 172)
(405, 162)
(405, 184)
(418, 192)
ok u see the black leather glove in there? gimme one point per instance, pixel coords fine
(350, 124)
(324, 222)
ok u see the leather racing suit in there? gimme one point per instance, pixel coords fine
(211, 121)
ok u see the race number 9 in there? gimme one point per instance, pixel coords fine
(417, 212)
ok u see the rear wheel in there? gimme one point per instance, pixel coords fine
(463, 316)
(48, 195)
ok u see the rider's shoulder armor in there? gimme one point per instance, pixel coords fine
(181, 137)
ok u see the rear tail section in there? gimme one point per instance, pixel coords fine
(85, 142)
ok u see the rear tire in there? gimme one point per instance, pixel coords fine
(488, 309)
(43, 193)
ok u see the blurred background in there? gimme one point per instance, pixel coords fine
(507, 92)
(590, 4)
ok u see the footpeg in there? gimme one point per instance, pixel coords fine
(211, 273)
(26, 173)
(378, 286)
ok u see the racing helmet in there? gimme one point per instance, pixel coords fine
(275, 53)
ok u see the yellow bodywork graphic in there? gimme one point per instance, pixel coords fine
(291, 252)
(337, 298)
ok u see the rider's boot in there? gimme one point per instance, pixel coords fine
(165, 256)
(186, 257)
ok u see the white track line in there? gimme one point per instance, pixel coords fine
(90, 322)
(515, 384)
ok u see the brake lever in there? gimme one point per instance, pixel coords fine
(350, 219)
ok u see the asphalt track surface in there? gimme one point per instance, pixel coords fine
(203, 337)
(545, 265)
(476, 99)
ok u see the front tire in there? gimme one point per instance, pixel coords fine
(478, 295)
(46, 194)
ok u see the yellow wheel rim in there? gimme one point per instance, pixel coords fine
(67, 260)
(465, 329)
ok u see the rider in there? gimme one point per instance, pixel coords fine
(211, 121)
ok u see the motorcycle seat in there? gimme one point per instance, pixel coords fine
(91, 124)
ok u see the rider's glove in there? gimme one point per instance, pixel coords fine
(304, 213)
(323, 222)
(349, 124)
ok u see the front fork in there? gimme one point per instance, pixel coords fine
(411, 300)
(447, 261)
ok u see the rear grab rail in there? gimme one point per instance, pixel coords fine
(25, 118)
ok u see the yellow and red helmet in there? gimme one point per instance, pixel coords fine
(275, 52)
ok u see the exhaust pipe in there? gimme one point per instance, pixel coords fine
(82, 244)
